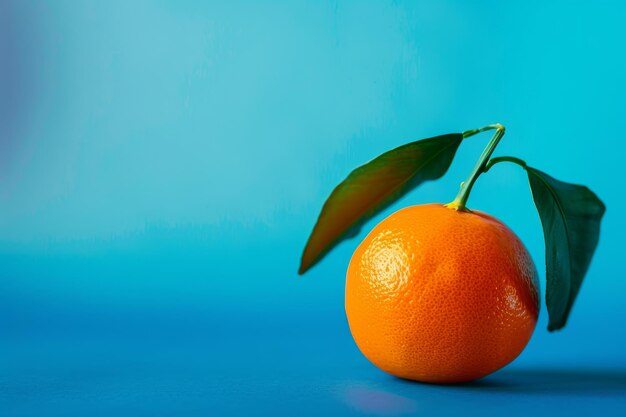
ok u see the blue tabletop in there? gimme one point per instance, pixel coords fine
(155, 366)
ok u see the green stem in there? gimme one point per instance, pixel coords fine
(499, 159)
(466, 187)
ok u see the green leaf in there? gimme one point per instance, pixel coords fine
(570, 216)
(373, 186)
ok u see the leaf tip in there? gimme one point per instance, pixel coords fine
(305, 262)
(555, 327)
(556, 324)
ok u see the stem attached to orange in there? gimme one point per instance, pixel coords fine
(466, 187)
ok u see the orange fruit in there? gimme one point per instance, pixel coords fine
(439, 295)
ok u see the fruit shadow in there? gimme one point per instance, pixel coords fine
(394, 396)
(548, 381)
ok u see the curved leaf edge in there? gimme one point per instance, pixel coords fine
(557, 312)
(392, 195)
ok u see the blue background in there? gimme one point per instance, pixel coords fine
(162, 163)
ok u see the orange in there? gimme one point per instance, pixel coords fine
(439, 295)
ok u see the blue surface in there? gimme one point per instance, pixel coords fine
(162, 163)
